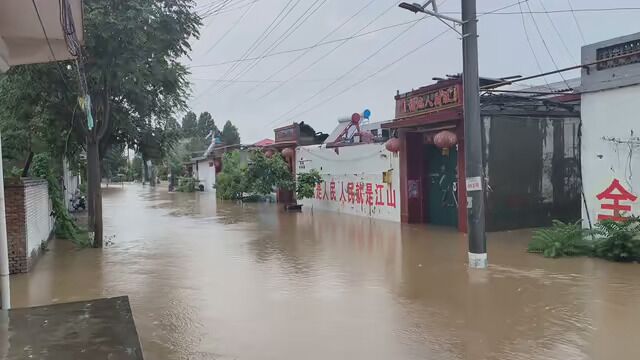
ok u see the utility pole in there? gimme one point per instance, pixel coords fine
(475, 182)
(473, 138)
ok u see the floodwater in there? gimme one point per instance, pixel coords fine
(222, 281)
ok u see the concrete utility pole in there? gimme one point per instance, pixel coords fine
(473, 138)
(475, 182)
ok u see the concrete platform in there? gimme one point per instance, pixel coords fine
(95, 329)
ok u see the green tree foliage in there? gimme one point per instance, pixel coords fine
(265, 175)
(206, 125)
(230, 134)
(114, 162)
(135, 79)
(618, 241)
(306, 184)
(189, 125)
(178, 157)
(137, 168)
(560, 240)
(261, 176)
(231, 182)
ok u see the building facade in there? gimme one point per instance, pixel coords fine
(531, 140)
(610, 130)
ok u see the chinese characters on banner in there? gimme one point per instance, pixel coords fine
(610, 200)
(361, 193)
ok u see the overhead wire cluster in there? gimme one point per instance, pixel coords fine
(239, 67)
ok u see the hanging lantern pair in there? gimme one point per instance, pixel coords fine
(445, 140)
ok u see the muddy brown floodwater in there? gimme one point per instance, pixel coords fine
(214, 280)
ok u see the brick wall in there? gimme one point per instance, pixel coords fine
(29, 222)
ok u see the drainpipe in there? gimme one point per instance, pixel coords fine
(5, 289)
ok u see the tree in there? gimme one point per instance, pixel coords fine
(265, 174)
(231, 183)
(134, 76)
(230, 135)
(206, 125)
(306, 184)
(189, 125)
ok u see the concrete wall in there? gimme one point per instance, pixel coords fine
(70, 182)
(206, 174)
(610, 148)
(360, 168)
(29, 222)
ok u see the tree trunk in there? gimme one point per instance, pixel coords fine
(27, 165)
(92, 156)
(94, 197)
(145, 174)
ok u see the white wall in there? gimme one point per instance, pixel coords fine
(206, 174)
(358, 164)
(610, 147)
(37, 213)
(70, 183)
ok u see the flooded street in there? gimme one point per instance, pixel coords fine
(221, 281)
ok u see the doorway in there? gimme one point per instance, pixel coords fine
(441, 186)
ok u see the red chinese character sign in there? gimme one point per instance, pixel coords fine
(358, 193)
(610, 201)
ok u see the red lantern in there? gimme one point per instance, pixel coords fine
(445, 140)
(287, 153)
(393, 145)
(217, 164)
(269, 153)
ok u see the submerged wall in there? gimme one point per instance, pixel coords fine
(354, 180)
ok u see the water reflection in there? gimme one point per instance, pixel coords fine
(217, 280)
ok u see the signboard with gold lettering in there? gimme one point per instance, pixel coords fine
(431, 101)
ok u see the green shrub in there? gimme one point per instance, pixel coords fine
(187, 184)
(618, 241)
(560, 240)
(232, 182)
(307, 183)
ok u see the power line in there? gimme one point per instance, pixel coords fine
(353, 68)
(46, 37)
(533, 52)
(553, 24)
(346, 21)
(232, 27)
(283, 37)
(364, 79)
(615, 9)
(382, 69)
(231, 9)
(272, 26)
(309, 47)
(573, 14)
(544, 42)
(326, 55)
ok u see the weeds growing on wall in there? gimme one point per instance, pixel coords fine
(561, 239)
(66, 227)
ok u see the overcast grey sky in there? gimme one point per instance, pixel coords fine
(369, 69)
